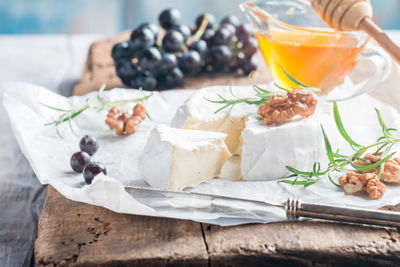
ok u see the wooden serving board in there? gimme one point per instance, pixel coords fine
(74, 233)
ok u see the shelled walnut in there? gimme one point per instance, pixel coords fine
(391, 171)
(354, 182)
(281, 108)
(123, 122)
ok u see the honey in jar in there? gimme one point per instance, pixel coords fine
(316, 59)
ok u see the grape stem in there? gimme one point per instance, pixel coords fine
(195, 37)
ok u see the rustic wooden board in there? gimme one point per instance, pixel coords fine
(74, 233)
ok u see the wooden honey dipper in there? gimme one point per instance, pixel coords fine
(351, 15)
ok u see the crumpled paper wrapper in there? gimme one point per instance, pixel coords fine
(49, 157)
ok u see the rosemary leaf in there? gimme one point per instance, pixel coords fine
(328, 147)
(371, 166)
(340, 126)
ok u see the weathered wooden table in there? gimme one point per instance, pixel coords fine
(74, 233)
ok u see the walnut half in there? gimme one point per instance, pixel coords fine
(391, 171)
(354, 182)
(122, 122)
(281, 108)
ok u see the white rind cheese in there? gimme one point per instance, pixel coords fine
(267, 150)
(176, 158)
(199, 114)
(264, 151)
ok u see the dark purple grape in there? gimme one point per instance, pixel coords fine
(169, 18)
(153, 27)
(88, 144)
(122, 50)
(184, 30)
(249, 65)
(167, 64)
(201, 47)
(210, 20)
(231, 19)
(149, 59)
(173, 41)
(79, 160)
(221, 56)
(92, 169)
(126, 70)
(230, 27)
(190, 62)
(208, 35)
(243, 32)
(142, 38)
(193, 29)
(144, 80)
(250, 46)
(173, 79)
(222, 37)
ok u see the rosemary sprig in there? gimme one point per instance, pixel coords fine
(339, 162)
(68, 114)
(260, 97)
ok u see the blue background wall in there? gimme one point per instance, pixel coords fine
(112, 16)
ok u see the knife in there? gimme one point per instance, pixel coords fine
(296, 208)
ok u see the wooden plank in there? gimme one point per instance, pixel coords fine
(74, 233)
(302, 244)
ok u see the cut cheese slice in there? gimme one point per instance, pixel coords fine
(200, 114)
(267, 150)
(177, 158)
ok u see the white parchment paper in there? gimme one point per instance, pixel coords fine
(49, 156)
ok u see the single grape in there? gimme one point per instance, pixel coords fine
(221, 56)
(222, 37)
(249, 65)
(122, 50)
(92, 169)
(243, 32)
(89, 144)
(169, 18)
(193, 29)
(167, 64)
(250, 46)
(153, 27)
(210, 20)
(190, 62)
(173, 41)
(150, 58)
(230, 27)
(142, 38)
(208, 35)
(79, 160)
(126, 70)
(173, 79)
(231, 19)
(184, 30)
(144, 80)
(201, 47)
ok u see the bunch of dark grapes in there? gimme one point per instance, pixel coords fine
(149, 62)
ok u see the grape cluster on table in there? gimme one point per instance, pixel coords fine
(81, 161)
(142, 62)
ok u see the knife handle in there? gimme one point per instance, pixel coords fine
(295, 208)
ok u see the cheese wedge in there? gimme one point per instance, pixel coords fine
(267, 150)
(177, 158)
(199, 114)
